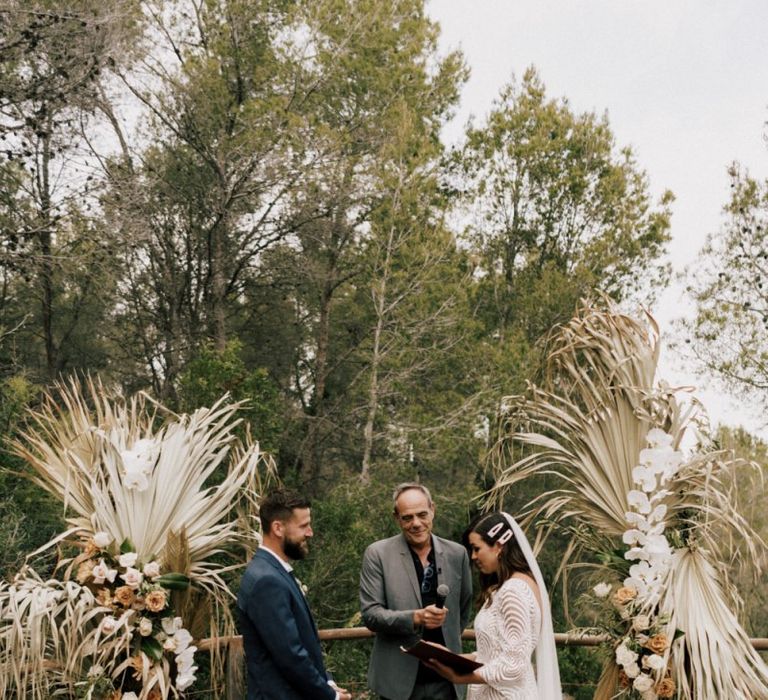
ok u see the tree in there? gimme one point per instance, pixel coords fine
(373, 62)
(55, 57)
(728, 336)
(556, 212)
(200, 201)
(748, 481)
(417, 281)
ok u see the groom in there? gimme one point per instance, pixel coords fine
(282, 649)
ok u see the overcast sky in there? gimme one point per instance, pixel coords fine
(684, 82)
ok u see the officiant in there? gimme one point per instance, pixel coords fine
(413, 585)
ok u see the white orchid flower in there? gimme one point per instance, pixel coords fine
(645, 478)
(656, 437)
(634, 537)
(639, 501)
(638, 520)
(634, 553)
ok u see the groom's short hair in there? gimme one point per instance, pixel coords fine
(279, 505)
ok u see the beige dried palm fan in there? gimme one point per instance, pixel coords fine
(160, 509)
(610, 435)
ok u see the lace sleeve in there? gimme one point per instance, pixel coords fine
(514, 600)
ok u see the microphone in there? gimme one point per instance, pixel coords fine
(442, 593)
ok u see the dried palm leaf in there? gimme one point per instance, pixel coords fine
(585, 426)
(181, 514)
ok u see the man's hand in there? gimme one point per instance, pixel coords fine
(429, 617)
(342, 693)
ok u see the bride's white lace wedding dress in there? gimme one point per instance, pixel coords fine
(507, 633)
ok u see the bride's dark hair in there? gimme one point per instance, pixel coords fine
(493, 527)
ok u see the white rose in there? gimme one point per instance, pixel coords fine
(152, 570)
(102, 540)
(632, 670)
(601, 590)
(128, 559)
(625, 656)
(169, 644)
(642, 683)
(130, 695)
(101, 572)
(654, 661)
(145, 627)
(132, 577)
(108, 624)
(641, 623)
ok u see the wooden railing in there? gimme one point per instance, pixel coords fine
(760, 644)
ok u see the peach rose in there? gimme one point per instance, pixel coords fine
(125, 596)
(104, 597)
(624, 681)
(137, 664)
(85, 571)
(154, 694)
(665, 688)
(624, 595)
(658, 644)
(155, 601)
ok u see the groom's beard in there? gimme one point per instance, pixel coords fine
(296, 549)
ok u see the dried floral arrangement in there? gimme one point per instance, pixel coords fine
(159, 507)
(659, 518)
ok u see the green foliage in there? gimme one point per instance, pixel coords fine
(558, 211)
(728, 336)
(749, 577)
(277, 226)
(28, 516)
(210, 374)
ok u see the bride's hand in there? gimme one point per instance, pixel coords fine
(451, 675)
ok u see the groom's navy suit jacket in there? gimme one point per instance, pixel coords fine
(282, 649)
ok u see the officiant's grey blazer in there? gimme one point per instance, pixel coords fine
(389, 593)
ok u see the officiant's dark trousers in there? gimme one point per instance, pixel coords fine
(432, 691)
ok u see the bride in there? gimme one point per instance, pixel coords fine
(514, 620)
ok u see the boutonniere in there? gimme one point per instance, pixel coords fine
(302, 586)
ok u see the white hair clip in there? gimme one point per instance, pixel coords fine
(505, 536)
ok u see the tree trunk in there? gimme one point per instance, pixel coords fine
(380, 302)
(45, 237)
(317, 418)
